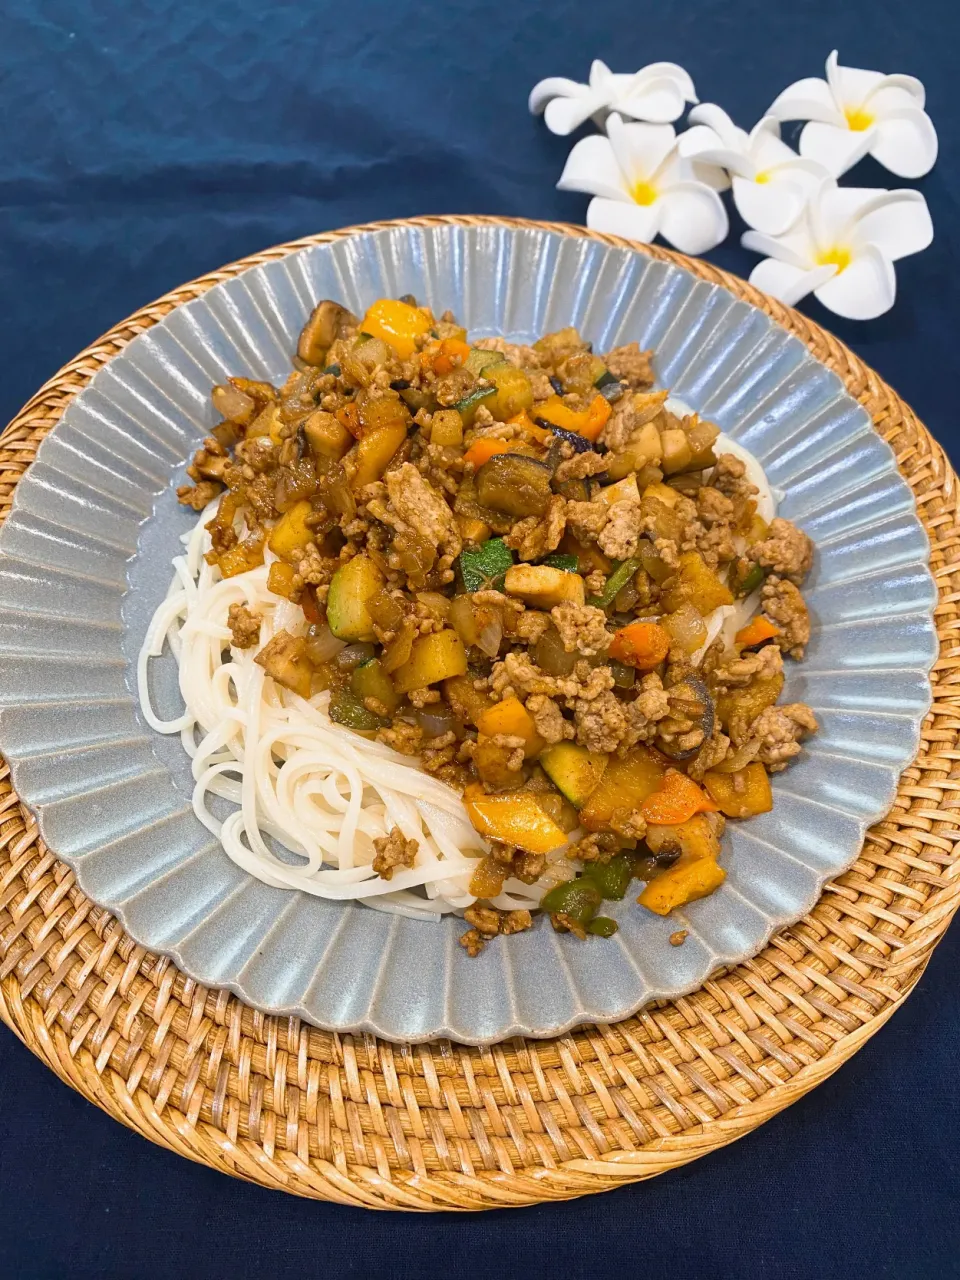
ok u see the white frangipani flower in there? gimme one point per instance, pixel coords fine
(641, 187)
(854, 113)
(771, 183)
(844, 249)
(658, 93)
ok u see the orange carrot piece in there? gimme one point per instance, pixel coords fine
(349, 417)
(678, 799)
(756, 631)
(308, 603)
(597, 416)
(483, 449)
(451, 355)
(642, 644)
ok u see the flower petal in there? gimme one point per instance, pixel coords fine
(659, 101)
(805, 174)
(890, 97)
(600, 74)
(864, 290)
(553, 87)
(808, 99)
(640, 149)
(795, 248)
(836, 147)
(711, 175)
(767, 149)
(563, 115)
(672, 71)
(632, 221)
(834, 212)
(592, 167)
(899, 227)
(787, 282)
(703, 144)
(693, 217)
(851, 85)
(905, 142)
(772, 207)
(910, 84)
(715, 118)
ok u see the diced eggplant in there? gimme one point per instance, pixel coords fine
(321, 330)
(514, 484)
(697, 705)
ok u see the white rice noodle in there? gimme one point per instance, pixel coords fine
(295, 780)
(768, 498)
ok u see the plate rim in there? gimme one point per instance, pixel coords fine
(199, 288)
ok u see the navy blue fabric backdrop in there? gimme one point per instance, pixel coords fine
(141, 145)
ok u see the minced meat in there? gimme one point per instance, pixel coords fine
(393, 850)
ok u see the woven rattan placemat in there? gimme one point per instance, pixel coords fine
(439, 1126)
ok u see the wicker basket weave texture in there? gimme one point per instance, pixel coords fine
(439, 1126)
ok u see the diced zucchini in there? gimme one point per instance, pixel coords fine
(434, 657)
(468, 406)
(575, 770)
(478, 360)
(369, 680)
(347, 709)
(353, 585)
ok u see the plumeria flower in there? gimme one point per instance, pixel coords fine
(844, 249)
(854, 113)
(641, 187)
(658, 92)
(771, 184)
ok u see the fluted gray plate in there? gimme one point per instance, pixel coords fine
(85, 558)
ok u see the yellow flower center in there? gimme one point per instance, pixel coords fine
(644, 192)
(763, 176)
(858, 118)
(838, 256)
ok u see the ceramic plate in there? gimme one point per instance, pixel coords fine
(85, 558)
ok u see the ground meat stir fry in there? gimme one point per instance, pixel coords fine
(506, 558)
(392, 851)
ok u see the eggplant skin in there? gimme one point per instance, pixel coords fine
(515, 484)
(708, 716)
